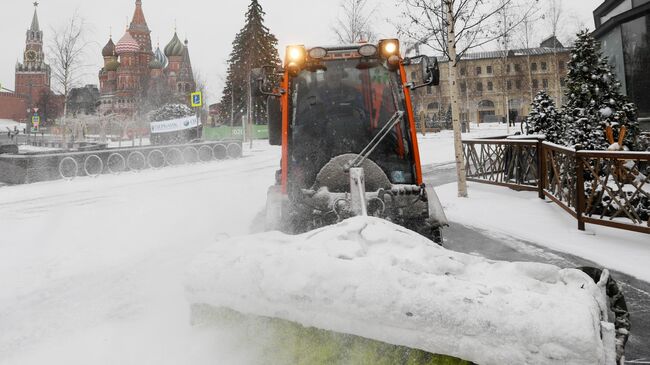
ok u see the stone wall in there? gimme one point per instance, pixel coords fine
(12, 107)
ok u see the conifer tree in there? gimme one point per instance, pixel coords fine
(254, 47)
(545, 119)
(595, 100)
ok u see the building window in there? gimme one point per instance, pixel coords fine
(533, 66)
(486, 104)
(413, 76)
(479, 86)
(463, 71)
(562, 82)
(544, 67)
(429, 90)
(490, 86)
(518, 84)
(535, 84)
(463, 87)
(545, 83)
(508, 68)
(488, 69)
(433, 106)
(561, 64)
(478, 70)
(509, 85)
(517, 67)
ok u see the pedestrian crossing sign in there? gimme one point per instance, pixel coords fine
(197, 99)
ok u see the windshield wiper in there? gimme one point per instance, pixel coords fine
(370, 148)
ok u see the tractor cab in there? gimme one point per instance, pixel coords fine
(343, 108)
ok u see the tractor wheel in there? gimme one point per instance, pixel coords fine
(436, 235)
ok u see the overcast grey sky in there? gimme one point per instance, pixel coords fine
(210, 26)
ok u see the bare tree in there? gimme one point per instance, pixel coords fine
(453, 27)
(516, 22)
(555, 17)
(67, 51)
(354, 25)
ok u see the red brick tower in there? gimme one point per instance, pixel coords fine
(141, 33)
(33, 75)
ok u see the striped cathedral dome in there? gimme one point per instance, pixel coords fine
(127, 45)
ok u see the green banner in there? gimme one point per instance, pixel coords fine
(227, 132)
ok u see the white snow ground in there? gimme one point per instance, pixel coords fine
(91, 270)
(501, 211)
(371, 278)
(6, 123)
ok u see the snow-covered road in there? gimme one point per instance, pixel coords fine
(91, 271)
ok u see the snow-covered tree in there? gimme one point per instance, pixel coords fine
(594, 99)
(254, 46)
(545, 119)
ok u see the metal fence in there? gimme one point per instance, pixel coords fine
(597, 187)
(26, 168)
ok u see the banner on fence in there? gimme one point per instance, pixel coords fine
(174, 125)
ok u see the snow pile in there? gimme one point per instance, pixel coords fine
(6, 123)
(371, 278)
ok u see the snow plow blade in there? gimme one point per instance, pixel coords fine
(281, 342)
(367, 278)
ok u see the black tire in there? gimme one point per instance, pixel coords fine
(436, 234)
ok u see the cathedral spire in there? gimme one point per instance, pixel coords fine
(35, 26)
(139, 22)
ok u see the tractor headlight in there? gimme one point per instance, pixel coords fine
(296, 54)
(389, 47)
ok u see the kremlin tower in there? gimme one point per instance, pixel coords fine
(135, 76)
(33, 75)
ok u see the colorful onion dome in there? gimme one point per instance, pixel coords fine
(112, 66)
(155, 64)
(109, 49)
(160, 57)
(127, 45)
(175, 47)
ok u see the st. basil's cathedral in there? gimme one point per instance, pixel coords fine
(135, 77)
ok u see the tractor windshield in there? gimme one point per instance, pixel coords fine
(339, 109)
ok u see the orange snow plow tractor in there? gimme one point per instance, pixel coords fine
(344, 118)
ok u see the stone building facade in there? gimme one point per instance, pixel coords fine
(135, 78)
(496, 85)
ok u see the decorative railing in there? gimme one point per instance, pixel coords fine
(596, 187)
(559, 176)
(616, 189)
(511, 163)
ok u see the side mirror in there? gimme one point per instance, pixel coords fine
(265, 79)
(274, 114)
(257, 81)
(430, 72)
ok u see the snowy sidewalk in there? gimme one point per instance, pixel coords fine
(524, 216)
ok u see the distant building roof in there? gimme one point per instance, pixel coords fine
(510, 53)
(551, 42)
